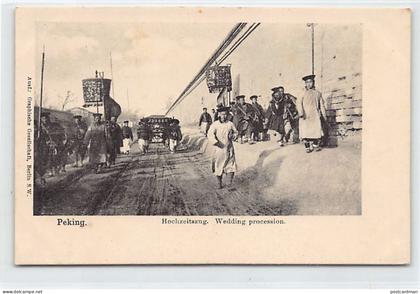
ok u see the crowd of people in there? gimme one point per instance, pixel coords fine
(282, 116)
(55, 144)
(291, 118)
(100, 142)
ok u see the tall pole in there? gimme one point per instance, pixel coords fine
(112, 75)
(41, 92)
(313, 48)
(312, 25)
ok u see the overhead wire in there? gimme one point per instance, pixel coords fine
(226, 42)
(201, 77)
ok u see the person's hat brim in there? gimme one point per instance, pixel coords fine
(309, 77)
(275, 89)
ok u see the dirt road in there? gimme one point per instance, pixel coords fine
(159, 183)
(271, 180)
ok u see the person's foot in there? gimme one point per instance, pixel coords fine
(281, 144)
(317, 148)
(308, 150)
(98, 169)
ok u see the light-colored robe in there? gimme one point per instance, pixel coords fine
(311, 106)
(96, 139)
(220, 136)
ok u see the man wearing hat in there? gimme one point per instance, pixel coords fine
(79, 131)
(144, 135)
(95, 137)
(258, 118)
(174, 135)
(275, 112)
(243, 114)
(205, 121)
(41, 152)
(221, 135)
(127, 135)
(56, 141)
(116, 141)
(311, 108)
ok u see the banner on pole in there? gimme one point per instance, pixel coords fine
(95, 90)
(218, 78)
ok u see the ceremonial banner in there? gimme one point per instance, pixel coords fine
(94, 90)
(218, 77)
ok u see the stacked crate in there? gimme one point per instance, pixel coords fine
(344, 104)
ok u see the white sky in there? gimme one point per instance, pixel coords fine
(154, 61)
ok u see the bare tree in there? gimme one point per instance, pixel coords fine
(69, 98)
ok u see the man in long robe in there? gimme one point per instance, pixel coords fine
(291, 119)
(96, 139)
(221, 135)
(116, 140)
(311, 108)
(79, 131)
(275, 112)
(258, 119)
(127, 135)
(144, 135)
(174, 135)
(56, 139)
(243, 114)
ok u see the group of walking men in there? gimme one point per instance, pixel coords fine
(253, 122)
(106, 140)
(54, 143)
(304, 117)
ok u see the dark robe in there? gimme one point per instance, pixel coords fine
(258, 118)
(274, 115)
(242, 118)
(79, 131)
(127, 133)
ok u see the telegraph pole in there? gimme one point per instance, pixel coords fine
(311, 25)
(41, 92)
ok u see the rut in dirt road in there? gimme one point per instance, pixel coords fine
(158, 183)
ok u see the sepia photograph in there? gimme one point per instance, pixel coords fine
(212, 135)
(171, 118)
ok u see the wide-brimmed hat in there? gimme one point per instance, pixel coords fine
(309, 77)
(275, 89)
(253, 97)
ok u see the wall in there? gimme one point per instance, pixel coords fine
(277, 54)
